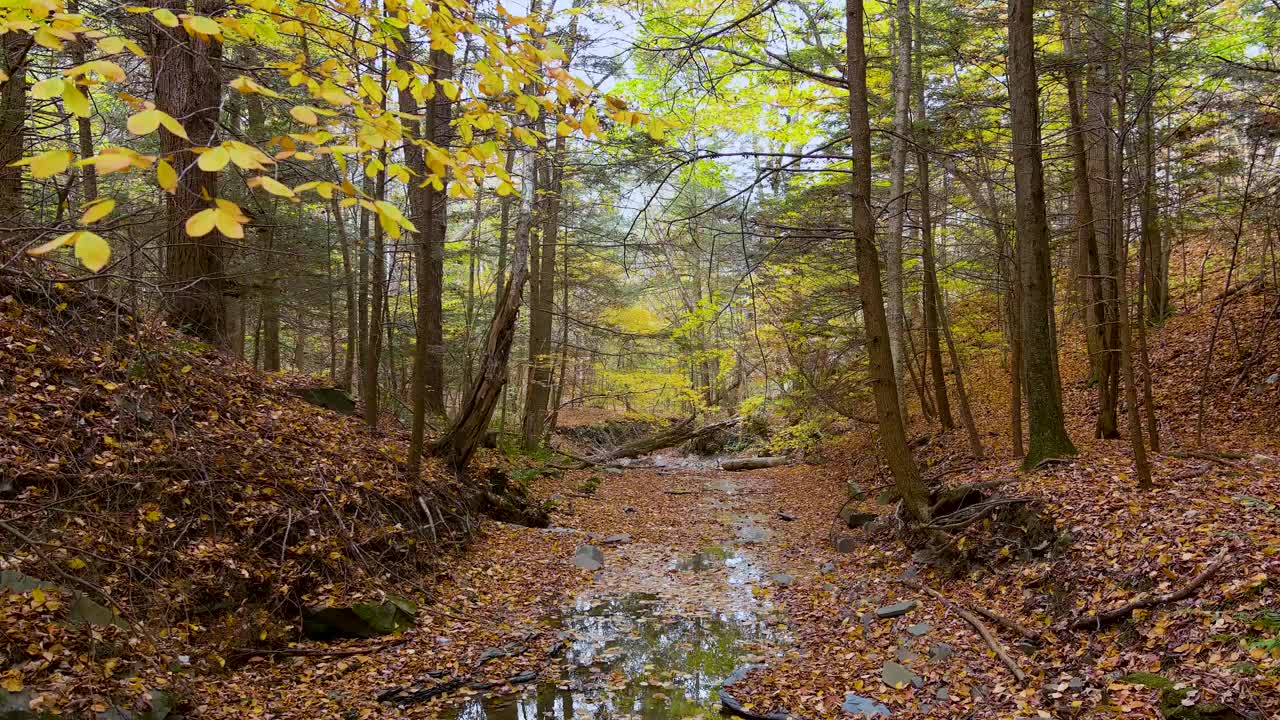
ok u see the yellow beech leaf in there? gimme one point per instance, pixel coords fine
(75, 100)
(95, 211)
(202, 25)
(271, 185)
(228, 223)
(93, 251)
(214, 159)
(105, 68)
(165, 17)
(173, 126)
(109, 162)
(202, 223)
(52, 245)
(304, 115)
(144, 123)
(46, 89)
(245, 156)
(166, 177)
(50, 163)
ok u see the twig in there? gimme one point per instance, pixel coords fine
(978, 625)
(1007, 623)
(316, 652)
(1124, 611)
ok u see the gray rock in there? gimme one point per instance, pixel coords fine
(731, 705)
(897, 676)
(1273, 378)
(896, 609)
(867, 618)
(939, 652)
(1263, 460)
(857, 520)
(358, 620)
(782, 579)
(1075, 683)
(619, 539)
(856, 492)
(332, 398)
(751, 534)
(863, 707)
(846, 544)
(589, 557)
(739, 673)
(785, 516)
(527, 676)
(919, 629)
(613, 471)
(941, 695)
(84, 609)
(904, 653)
(979, 692)
(16, 706)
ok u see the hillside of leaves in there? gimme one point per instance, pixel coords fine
(195, 496)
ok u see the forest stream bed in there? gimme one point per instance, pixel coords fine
(657, 634)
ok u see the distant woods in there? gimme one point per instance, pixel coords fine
(781, 211)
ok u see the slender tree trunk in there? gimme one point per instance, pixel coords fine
(362, 296)
(1120, 242)
(1087, 246)
(427, 207)
(1104, 359)
(542, 307)
(930, 292)
(187, 72)
(1048, 434)
(349, 289)
(377, 303)
(460, 441)
(962, 397)
(16, 48)
(270, 301)
(897, 209)
(893, 440)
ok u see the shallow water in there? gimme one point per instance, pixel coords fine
(634, 657)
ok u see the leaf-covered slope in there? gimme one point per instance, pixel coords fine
(187, 490)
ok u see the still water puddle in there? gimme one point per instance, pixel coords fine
(635, 656)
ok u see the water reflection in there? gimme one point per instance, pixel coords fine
(627, 658)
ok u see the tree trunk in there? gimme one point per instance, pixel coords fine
(1120, 242)
(269, 297)
(377, 301)
(187, 72)
(472, 421)
(893, 441)
(897, 209)
(13, 120)
(1048, 435)
(1103, 359)
(349, 289)
(426, 207)
(1087, 247)
(929, 290)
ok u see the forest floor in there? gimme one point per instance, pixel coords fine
(709, 577)
(705, 572)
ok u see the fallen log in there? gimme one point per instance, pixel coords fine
(1107, 617)
(754, 463)
(678, 433)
